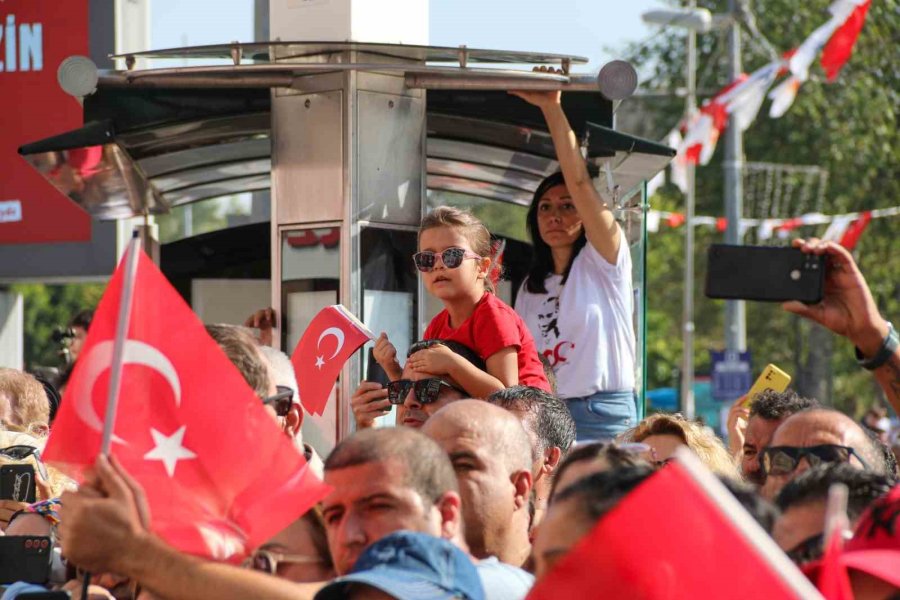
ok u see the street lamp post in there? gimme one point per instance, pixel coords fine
(693, 20)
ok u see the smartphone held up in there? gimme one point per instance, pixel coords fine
(764, 273)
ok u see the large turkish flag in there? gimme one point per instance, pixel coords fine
(676, 536)
(333, 335)
(220, 476)
(37, 35)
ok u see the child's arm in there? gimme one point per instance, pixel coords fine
(386, 355)
(502, 369)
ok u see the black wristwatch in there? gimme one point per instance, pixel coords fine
(888, 347)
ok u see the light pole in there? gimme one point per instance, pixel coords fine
(735, 326)
(694, 20)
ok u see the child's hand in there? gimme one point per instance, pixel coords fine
(436, 360)
(384, 352)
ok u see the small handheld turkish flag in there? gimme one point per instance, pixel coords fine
(333, 335)
(220, 477)
(678, 535)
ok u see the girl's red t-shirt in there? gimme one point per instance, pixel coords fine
(492, 327)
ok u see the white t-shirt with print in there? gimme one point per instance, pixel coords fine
(585, 328)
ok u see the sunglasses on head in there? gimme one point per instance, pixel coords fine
(22, 452)
(451, 258)
(427, 390)
(783, 460)
(282, 401)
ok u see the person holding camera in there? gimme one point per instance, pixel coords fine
(578, 298)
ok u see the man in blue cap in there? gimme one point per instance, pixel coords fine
(410, 566)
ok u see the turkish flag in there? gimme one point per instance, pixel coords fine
(855, 230)
(840, 46)
(333, 335)
(677, 535)
(221, 477)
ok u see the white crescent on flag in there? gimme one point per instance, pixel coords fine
(338, 334)
(99, 359)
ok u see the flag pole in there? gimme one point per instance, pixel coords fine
(132, 253)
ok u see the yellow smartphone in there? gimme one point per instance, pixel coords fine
(771, 378)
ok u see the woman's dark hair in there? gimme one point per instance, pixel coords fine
(542, 259)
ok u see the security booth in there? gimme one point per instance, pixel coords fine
(333, 151)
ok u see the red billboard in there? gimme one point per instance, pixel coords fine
(35, 37)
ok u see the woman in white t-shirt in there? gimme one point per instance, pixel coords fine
(577, 299)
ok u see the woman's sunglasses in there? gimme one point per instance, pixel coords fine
(451, 257)
(427, 390)
(783, 460)
(282, 401)
(20, 453)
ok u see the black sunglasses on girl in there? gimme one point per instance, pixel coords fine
(451, 258)
(427, 390)
(783, 460)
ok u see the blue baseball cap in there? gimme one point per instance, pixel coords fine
(411, 566)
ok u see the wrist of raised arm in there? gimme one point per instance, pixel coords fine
(869, 338)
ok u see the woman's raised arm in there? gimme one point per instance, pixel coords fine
(600, 226)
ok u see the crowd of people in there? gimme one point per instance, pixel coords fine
(508, 448)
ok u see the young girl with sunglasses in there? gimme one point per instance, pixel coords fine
(455, 262)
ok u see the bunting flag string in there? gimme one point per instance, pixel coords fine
(743, 97)
(845, 228)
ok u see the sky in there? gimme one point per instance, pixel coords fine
(590, 28)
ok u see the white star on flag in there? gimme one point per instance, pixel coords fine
(320, 360)
(169, 449)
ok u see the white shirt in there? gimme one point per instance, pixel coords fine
(585, 328)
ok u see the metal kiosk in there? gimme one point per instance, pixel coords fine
(344, 146)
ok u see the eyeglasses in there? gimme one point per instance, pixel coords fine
(783, 460)
(451, 257)
(427, 390)
(22, 452)
(282, 401)
(267, 562)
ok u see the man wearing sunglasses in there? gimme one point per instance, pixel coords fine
(417, 395)
(813, 437)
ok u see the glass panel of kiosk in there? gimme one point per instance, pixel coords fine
(310, 281)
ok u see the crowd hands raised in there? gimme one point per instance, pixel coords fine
(480, 488)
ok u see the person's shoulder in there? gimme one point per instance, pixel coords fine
(502, 581)
(494, 304)
(588, 257)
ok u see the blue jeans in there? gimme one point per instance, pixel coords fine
(603, 415)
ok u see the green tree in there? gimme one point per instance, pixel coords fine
(847, 127)
(48, 307)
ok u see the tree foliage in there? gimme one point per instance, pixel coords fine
(847, 127)
(48, 307)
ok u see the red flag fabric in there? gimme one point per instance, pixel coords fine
(694, 548)
(221, 478)
(675, 220)
(840, 46)
(855, 230)
(833, 582)
(331, 338)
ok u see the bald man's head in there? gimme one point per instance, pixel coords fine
(821, 427)
(491, 455)
(498, 430)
